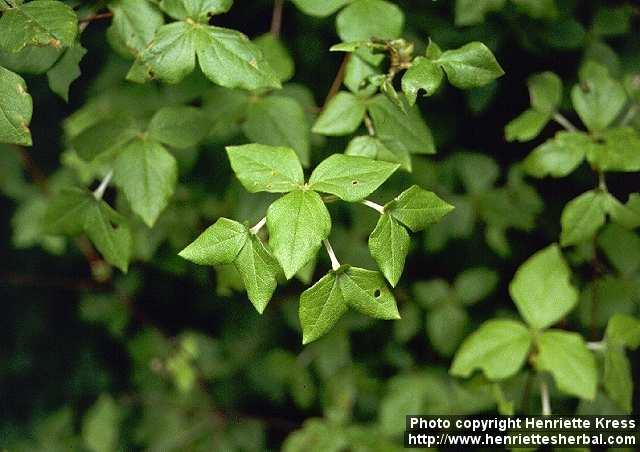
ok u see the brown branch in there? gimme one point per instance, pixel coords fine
(337, 82)
(96, 17)
(22, 280)
(276, 18)
(36, 174)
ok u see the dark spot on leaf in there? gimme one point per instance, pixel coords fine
(355, 182)
(377, 293)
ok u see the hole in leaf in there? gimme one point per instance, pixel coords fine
(377, 293)
(354, 182)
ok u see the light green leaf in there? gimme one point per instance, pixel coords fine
(617, 379)
(266, 168)
(620, 150)
(423, 74)
(373, 148)
(417, 208)
(349, 177)
(498, 348)
(106, 136)
(399, 132)
(112, 241)
(198, 10)
(566, 356)
(219, 244)
(147, 175)
(559, 156)
(16, 108)
(365, 19)
(598, 98)
(279, 121)
(470, 66)
(582, 217)
(321, 306)
(389, 245)
(475, 284)
(446, 326)
(101, 425)
(39, 23)
(366, 292)
(545, 92)
(627, 215)
(276, 55)
(526, 126)
(472, 12)
(341, 116)
(320, 9)
(258, 270)
(180, 126)
(66, 70)
(623, 329)
(541, 288)
(133, 25)
(358, 74)
(297, 222)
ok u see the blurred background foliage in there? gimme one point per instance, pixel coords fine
(171, 356)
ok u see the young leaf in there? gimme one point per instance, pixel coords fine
(350, 178)
(66, 70)
(389, 245)
(598, 98)
(526, 126)
(297, 222)
(559, 156)
(16, 108)
(219, 244)
(423, 74)
(266, 168)
(180, 127)
(321, 306)
(342, 115)
(541, 288)
(566, 356)
(38, 23)
(147, 174)
(113, 242)
(399, 132)
(366, 19)
(471, 66)
(198, 10)
(279, 121)
(133, 25)
(417, 208)
(617, 379)
(545, 92)
(258, 270)
(475, 284)
(366, 292)
(276, 55)
(582, 217)
(498, 348)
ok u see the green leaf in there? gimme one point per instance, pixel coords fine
(598, 98)
(219, 244)
(526, 126)
(566, 356)
(106, 136)
(545, 92)
(618, 152)
(612, 21)
(320, 9)
(423, 74)
(627, 215)
(180, 127)
(133, 25)
(349, 177)
(617, 379)
(623, 329)
(389, 245)
(297, 222)
(446, 326)
(258, 270)
(472, 12)
(470, 66)
(276, 55)
(101, 425)
(30, 60)
(365, 19)
(147, 175)
(198, 10)
(373, 148)
(266, 168)
(226, 57)
(66, 70)
(582, 217)
(430, 294)
(279, 121)
(341, 116)
(541, 288)
(559, 156)
(322, 305)
(621, 248)
(475, 284)
(39, 23)
(417, 208)
(112, 241)
(399, 132)
(16, 107)
(498, 348)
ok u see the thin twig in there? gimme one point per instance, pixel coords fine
(564, 122)
(335, 265)
(100, 16)
(373, 205)
(99, 192)
(255, 229)
(276, 18)
(544, 397)
(369, 125)
(337, 81)
(596, 346)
